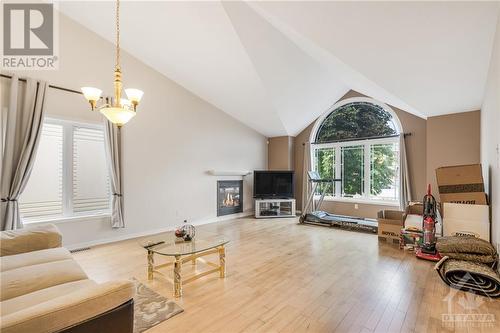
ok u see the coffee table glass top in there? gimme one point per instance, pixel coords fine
(168, 245)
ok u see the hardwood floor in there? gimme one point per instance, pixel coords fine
(285, 277)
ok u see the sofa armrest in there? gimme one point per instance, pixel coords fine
(29, 239)
(69, 310)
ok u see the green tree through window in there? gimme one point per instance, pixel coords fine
(350, 122)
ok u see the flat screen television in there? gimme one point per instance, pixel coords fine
(273, 184)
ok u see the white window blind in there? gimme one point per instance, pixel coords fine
(43, 195)
(70, 176)
(90, 177)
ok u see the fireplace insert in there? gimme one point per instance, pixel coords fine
(229, 197)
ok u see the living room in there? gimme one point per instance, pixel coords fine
(330, 115)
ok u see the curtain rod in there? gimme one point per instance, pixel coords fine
(361, 139)
(50, 86)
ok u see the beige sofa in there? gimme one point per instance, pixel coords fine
(43, 289)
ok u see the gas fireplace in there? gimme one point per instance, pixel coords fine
(229, 197)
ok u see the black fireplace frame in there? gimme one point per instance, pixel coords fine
(221, 211)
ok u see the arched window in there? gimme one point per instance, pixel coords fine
(357, 141)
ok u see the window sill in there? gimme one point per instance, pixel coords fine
(67, 219)
(361, 201)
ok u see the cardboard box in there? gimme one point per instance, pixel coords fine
(390, 223)
(414, 208)
(461, 184)
(413, 215)
(464, 219)
(478, 198)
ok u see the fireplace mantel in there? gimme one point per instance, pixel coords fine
(229, 173)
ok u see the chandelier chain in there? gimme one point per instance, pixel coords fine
(118, 34)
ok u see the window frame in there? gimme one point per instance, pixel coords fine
(365, 198)
(367, 143)
(68, 214)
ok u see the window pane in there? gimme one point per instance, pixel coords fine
(352, 171)
(91, 191)
(384, 171)
(325, 158)
(356, 120)
(42, 196)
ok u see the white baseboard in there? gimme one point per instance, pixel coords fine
(155, 231)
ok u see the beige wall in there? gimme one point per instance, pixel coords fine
(415, 145)
(490, 137)
(280, 151)
(167, 148)
(452, 139)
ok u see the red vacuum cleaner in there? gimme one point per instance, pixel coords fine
(428, 249)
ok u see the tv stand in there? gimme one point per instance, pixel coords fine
(270, 208)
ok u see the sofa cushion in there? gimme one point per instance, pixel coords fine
(29, 239)
(68, 310)
(33, 258)
(27, 279)
(25, 301)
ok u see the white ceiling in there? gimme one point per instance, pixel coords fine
(276, 66)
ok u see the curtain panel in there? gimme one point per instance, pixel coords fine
(405, 189)
(23, 127)
(306, 167)
(112, 135)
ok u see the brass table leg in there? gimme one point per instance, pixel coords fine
(150, 265)
(177, 277)
(222, 261)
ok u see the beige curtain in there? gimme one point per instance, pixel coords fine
(405, 189)
(306, 186)
(23, 127)
(113, 154)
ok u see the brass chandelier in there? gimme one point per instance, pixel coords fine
(121, 110)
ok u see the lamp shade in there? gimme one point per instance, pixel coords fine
(91, 94)
(134, 95)
(118, 116)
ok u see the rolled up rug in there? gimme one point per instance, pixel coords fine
(469, 276)
(468, 248)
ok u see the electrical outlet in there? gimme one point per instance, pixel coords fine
(356, 206)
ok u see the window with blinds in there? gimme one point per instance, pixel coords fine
(43, 195)
(70, 176)
(90, 176)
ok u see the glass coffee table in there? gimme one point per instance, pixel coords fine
(182, 252)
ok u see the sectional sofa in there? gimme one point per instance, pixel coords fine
(43, 289)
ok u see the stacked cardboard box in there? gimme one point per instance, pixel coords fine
(463, 219)
(461, 184)
(465, 204)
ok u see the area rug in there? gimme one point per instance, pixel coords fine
(150, 308)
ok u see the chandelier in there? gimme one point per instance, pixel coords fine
(121, 110)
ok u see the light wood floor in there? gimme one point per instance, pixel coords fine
(285, 277)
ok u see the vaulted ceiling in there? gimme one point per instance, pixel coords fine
(276, 66)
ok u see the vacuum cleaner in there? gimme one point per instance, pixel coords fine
(428, 249)
(318, 217)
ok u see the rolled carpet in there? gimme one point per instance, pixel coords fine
(469, 276)
(468, 248)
